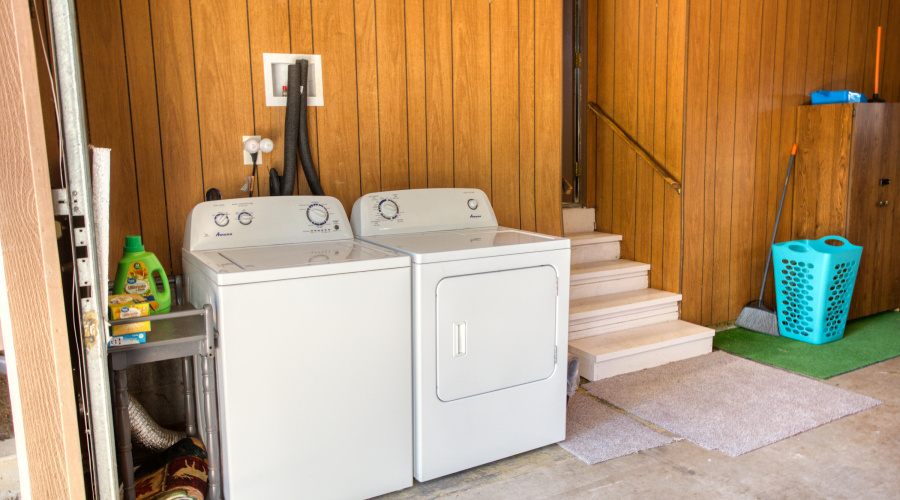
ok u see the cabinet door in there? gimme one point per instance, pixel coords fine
(871, 222)
(495, 330)
(890, 291)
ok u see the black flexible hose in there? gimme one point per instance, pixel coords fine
(274, 183)
(291, 129)
(309, 170)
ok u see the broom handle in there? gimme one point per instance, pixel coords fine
(787, 177)
(877, 60)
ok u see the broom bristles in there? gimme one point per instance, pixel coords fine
(758, 319)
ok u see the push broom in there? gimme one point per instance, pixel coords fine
(756, 315)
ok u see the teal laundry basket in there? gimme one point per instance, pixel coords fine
(813, 284)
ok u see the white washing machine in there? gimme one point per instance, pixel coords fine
(490, 316)
(313, 353)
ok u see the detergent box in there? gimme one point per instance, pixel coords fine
(128, 339)
(126, 306)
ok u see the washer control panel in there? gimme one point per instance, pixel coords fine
(275, 220)
(421, 210)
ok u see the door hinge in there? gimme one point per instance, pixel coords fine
(60, 202)
(577, 169)
(577, 59)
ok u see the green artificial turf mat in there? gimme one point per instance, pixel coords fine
(866, 341)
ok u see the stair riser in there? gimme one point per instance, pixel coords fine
(582, 317)
(624, 323)
(578, 220)
(606, 287)
(643, 360)
(618, 317)
(595, 252)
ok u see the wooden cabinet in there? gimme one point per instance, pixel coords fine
(847, 183)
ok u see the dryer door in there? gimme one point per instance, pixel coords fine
(495, 330)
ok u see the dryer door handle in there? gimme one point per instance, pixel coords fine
(459, 339)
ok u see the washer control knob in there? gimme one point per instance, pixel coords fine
(221, 219)
(245, 218)
(388, 209)
(473, 204)
(317, 214)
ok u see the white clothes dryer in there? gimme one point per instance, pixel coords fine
(313, 357)
(489, 323)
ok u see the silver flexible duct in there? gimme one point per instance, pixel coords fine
(146, 432)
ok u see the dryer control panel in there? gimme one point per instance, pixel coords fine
(275, 220)
(421, 210)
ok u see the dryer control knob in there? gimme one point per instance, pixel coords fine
(317, 214)
(245, 218)
(388, 209)
(221, 219)
(473, 204)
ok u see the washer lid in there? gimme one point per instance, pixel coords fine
(442, 246)
(235, 266)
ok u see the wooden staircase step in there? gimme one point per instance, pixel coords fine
(635, 349)
(607, 277)
(623, 321)
(591, 238)
(594, 247)
(606, 270)
(607, 305)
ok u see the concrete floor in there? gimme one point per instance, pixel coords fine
(855, 457)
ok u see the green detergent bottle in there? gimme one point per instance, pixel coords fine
(135, 275)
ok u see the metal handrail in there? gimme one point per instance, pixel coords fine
(661, 170)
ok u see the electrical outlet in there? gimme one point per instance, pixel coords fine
(275, 70)
(247, 159)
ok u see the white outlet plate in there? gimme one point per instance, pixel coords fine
(276, 75)
(247, 159)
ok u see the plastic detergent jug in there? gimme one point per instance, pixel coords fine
(135, 275)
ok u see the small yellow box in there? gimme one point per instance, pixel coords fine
(129, 305)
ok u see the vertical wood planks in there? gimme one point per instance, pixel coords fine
(643, 199)
(606, 99)
(695, 155)
(224, 91)
(625, 114)
(439, 94)
(390, 28)
(659, 142)
(526, 114)
(269, 32)
(746, 117)
(367, 96)
(337, 122)
(590, 49)
(471, 94)
(765, 122)
(109, 114)
(145, 124)
(415, 82)
(505, 111)
(725, 134)
(675, 78)
(302, 43)
(548, 107)
(178, 116)
(709, 181)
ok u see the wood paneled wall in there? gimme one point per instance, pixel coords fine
(634, 56)
(751, 64)
(418, 93)
(725, 128)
